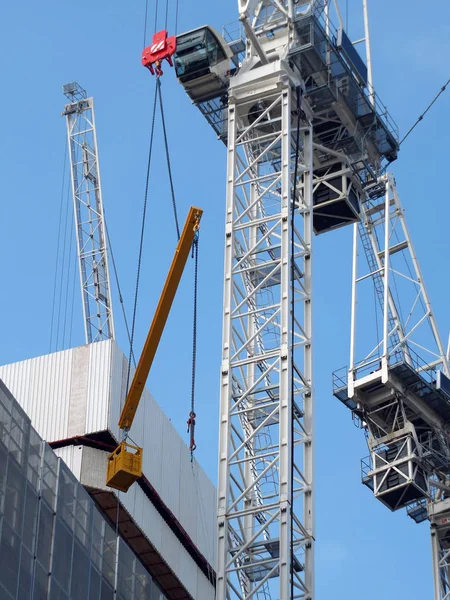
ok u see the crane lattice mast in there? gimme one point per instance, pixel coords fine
(305, 135)
(89, 215)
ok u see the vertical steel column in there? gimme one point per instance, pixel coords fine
(368, 51)
(265, 490)
(89, 216)
(441, 565)
(386, 279)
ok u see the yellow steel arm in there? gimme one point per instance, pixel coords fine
(160, 317)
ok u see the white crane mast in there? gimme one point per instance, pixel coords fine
(266, 520)
(89, 215)
(397, 383)
(305, 134)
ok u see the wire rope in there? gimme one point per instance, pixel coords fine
(119, 289)
(58, 244)
(145, 22)
(68, 279)
(141, 242)
(192, 415)
(169, 168)
(62, 268)
(420, 118)
(73, 303)
(176, 18)
(167, 14)
(156, 14)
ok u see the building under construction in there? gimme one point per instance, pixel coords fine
(100, 497)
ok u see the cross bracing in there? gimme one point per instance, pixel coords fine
(89, 215)
(265, 515)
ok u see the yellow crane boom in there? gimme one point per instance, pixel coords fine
(124, 467)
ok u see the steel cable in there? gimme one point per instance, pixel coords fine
(58, 245)
(116, 275)
(169, 168)
(420, 118)
(192, 415)
(145, 22)
(141, 243)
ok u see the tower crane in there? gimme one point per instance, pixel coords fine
(397, 386)
(306, 138)
(308, 142)
(89, 215)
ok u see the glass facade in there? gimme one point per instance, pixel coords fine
(54, 542)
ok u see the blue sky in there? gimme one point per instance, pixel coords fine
(362, 549)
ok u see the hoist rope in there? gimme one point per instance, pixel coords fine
(167, 14)
(176, 18)
(58, 245)
(67, 222)
(192, 415)
(420, 118)
(156, 15)
(68, 279)
(141, 243)
(145, 23)
(73, 305)
(119, 290)
(169, 168)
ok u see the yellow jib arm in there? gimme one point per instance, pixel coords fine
(159, 320)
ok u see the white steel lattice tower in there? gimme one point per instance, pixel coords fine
(397, 385)
(266, 463)
(305, 133)
(89, 216)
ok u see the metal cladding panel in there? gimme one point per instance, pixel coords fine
(171, 469)
(42, 387)
(205, 516)
(188, 575)
(72, 456)
(167, 463)
(81, 391)
(117, 389)
(155, 421)
(99, 386)
(146, 517)
(205, 590)
(188, 507)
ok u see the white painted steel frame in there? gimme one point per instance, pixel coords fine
(441, 566)
(411, 336)
(383, 234)
(265, 489)
(89, 221)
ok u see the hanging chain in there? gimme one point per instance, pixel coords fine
(192, 415)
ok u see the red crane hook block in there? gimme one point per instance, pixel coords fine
(163, 47)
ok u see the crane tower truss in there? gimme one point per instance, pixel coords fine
(400, 390)
(89, 216)
(305, 135)
(266, 463)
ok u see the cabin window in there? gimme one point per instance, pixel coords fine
(191, 55)
(196, 52)
(215, 52)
